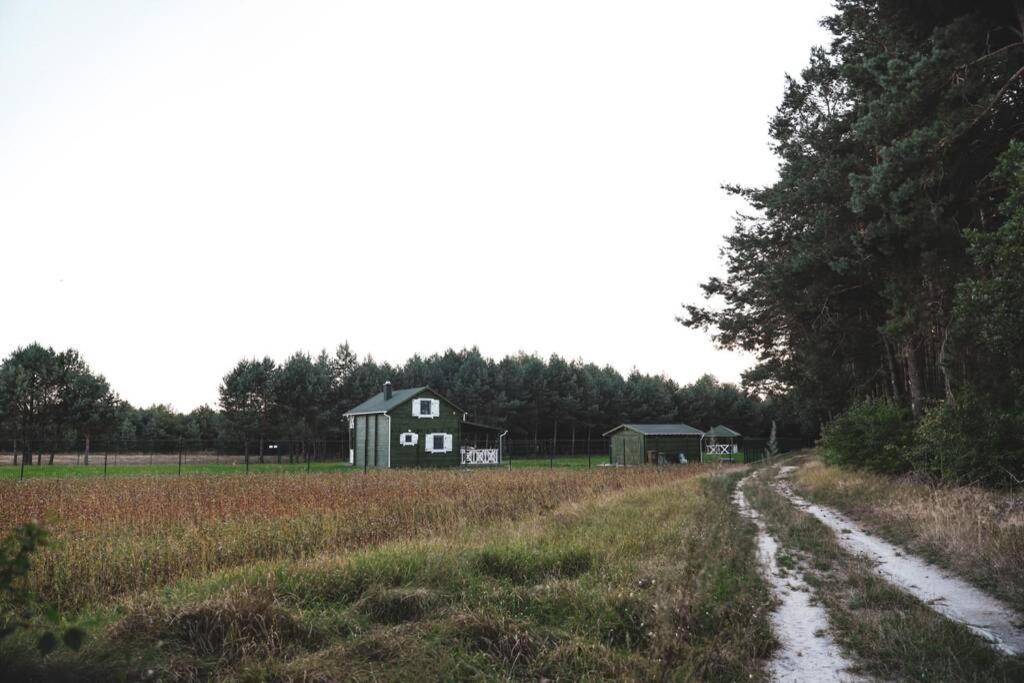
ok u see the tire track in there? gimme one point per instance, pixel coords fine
(946, 593)
(807, 652)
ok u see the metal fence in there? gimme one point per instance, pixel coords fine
(188, 454)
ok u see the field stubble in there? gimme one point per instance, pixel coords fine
(118, 536)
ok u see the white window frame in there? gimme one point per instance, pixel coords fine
(417, 405)
(447, 439)
(408, 438)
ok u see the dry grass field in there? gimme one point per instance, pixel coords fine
(120, 535)
(642, 573)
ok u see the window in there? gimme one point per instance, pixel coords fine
(426, 407)
(438, 443)
(408, 438)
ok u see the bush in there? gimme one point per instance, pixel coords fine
(874, 434)
(970, 441)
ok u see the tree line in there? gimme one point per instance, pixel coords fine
(52, 400)
(883, 270)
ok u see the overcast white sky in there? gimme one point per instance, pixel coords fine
(186, 184)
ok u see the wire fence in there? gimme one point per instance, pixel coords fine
(185, 455)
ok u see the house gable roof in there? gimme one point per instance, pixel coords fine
(379, 404)
(677, 429)
(722, 431)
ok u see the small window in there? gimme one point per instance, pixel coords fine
(425, 407)
(438, 442)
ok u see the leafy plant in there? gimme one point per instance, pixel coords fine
(20, 605)
(875, 434)
(970, 441)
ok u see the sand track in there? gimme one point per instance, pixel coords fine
(941, 590)
(807, 652)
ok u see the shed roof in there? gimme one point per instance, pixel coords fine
(678, 429)
(379, 404)
(722, 431)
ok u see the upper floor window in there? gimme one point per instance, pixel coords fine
(426, 407)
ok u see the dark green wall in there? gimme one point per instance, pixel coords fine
(402, 420)
(635, 445)
(671, 446)
(627, 447)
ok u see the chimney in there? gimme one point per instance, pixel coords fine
(387, 390)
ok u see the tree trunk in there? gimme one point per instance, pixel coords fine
(894, 382)
(945, 363)
(914, 379)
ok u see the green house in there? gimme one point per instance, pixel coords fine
(418, 428)
(635, 444)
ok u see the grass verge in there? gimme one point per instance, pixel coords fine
(654, 583)
(889, 633)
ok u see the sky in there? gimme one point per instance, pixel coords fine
(186, 184)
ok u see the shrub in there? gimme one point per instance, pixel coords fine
(18, 606)
(970, 441)
(874, 434)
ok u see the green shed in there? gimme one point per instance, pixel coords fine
(418, 428)
(631, 444)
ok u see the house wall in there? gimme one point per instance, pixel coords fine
(402, 420)
(371, 439)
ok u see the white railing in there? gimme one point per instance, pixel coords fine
(479, 456)
(720, 449)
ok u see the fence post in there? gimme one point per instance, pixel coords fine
(22, 475)
(105, 463)
(179, 456)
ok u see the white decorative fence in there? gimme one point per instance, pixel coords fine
(720, 449)
(479, 456)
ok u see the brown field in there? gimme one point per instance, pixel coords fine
(122, 535)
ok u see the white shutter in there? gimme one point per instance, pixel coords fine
(435, 408)
(415, 408)
(447, 443)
